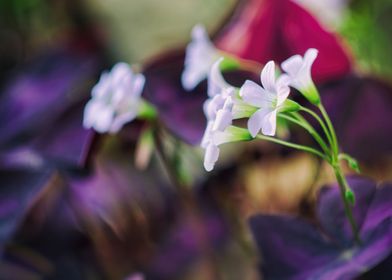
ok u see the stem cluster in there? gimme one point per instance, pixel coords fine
(329, 151)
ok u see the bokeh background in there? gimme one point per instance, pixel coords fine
(64, 215)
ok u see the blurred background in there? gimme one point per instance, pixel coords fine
(65, 214)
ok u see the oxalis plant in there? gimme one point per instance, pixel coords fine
(116, 100)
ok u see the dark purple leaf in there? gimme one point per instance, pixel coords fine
(19, 187)
(43, 104)
(292, 248)
(360, 109)
(330, 209)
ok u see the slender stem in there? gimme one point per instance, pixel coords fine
(291, 145)
(334, 140)
(300, 121)
(320, 121)
(343, 186)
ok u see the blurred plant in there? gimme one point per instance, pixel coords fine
(270, 102)
(366, 28)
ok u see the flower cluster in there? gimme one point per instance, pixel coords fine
(261, 104)
(116, 100)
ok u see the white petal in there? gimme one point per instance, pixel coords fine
(191, 77)
(138, 84)
(120, 120)
(268, 76)
(103, 120)
(199, 33)
(119, 72)
(216, 82)
(211, 156)
(212, 105)
(255, 122)
(282, 88)
(292, 65)
(200, 55)
(254, 94)
(91, 110)
(269, 124)
(223, 120)
(309, 57)
(207, 137)
(102, 88)
(224, 116)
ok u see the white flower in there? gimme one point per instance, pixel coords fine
(298, 68)
(115, 100)
(200, 56)
(268, 99)
(212, 139)
(218, 91)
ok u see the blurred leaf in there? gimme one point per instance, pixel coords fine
(19, 188)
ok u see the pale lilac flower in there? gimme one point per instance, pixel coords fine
(200, 56)
(115, 100)
(218, 91)
(268, 99)
(298, 69)
(212, 139)
(220, 110)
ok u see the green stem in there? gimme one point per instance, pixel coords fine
(334, 140)
(322, 124)
(343, 186)
(300, 121)
(292, 145)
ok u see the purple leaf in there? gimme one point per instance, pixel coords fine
(330, 209)
(292, 248)
(360, 111)
(19, 187)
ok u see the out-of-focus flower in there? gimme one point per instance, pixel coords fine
(277, 29)
(213, 138)
(182, 112)
(224, 116)
(293, 248)
(115, 100)
(299, 68)
(267, 99)
(200, 56)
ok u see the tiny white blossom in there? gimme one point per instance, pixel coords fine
(212, 139)
(115, 99)
(298, 69)
(268, 99)
(218, 91)
(200, 56)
